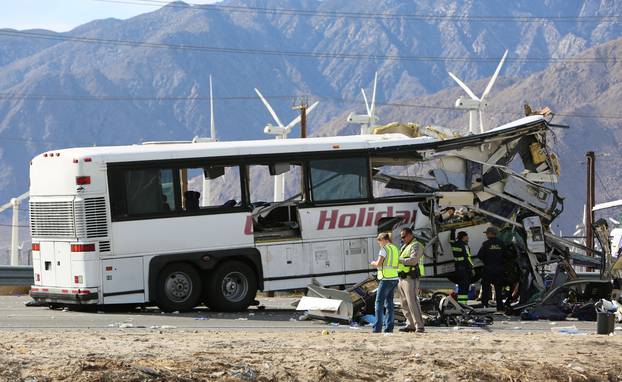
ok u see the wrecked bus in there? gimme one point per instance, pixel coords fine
(129, 224)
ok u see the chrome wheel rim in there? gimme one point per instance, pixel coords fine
(178, 287)
(234, 286)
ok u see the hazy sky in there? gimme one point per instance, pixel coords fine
(63, 15)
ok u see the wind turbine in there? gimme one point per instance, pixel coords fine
(475, 104)
(367, 121)
(280, 131)
(206, 192)
(15, 202)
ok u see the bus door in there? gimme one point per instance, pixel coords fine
(55, 263)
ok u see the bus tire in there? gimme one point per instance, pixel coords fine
(231, 287)
(179, 288)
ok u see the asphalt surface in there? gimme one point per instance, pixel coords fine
(273, 314)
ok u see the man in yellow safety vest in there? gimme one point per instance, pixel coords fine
(411, 269)
(387, 264)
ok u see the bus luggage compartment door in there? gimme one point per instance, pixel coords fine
(328, 262)
(356, 259)
(123, 281)
(284, 266)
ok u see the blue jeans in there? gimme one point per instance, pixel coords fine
(384, 299)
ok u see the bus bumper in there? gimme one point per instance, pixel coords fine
(64, 295)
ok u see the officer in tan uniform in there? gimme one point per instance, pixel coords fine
(411, 269)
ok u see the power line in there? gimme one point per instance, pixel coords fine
(310, 54)
(603, 186)
(30, 140)
(12, 225)
(367, 15)
(68, 97)
(93, 98)
(333, 99)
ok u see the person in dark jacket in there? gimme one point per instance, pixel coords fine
(463, 264)
(494, 256)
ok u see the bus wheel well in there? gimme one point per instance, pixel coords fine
(204, 262)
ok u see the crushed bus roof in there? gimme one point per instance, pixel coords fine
(176, 150)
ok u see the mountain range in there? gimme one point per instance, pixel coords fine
(146, 78)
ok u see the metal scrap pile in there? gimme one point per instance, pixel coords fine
(356, 304)
(344, 306)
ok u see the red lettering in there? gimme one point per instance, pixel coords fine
(370, 216)
(387, 214)
(324, 218)
(347, 220)
(365, 217)
(359, 222)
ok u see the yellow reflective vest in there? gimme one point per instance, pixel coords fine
(405, 253)
(461, 252)
(389, 267)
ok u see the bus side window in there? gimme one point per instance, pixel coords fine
(339, 179)
(167, 183)
(149, 191)
(261, 182)
(118, 201)
(138, 192)
(211, 186)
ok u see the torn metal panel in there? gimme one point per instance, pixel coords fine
(474, 175)
(317, 303)
(355, 301)
(520, 189)
(535, 234)
(345, 310)
(404, 183)
(453, 199)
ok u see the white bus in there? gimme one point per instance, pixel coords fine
(128, 224)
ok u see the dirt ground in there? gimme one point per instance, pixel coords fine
(322, 355)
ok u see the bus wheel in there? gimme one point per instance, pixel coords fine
(179, 288)
(231, 287)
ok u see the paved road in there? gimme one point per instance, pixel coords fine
(276, 314)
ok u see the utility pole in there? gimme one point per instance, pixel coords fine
(589, 205)
(304, 104)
